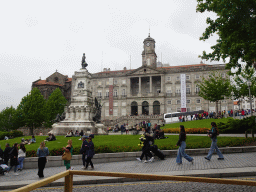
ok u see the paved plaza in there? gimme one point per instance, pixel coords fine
(234, 165)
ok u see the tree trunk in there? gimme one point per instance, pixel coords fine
(31, 130)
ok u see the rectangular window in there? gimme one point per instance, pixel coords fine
(177, 78)
(188, 101)
(188, 109)
(123, 112)
(124, 104)
(178, 101)
(223, 75)
(115, 112)
(187, 77)
(169, 102)
(178, 90)
(123, 81)
(197, 89)
(107, 93)
(178, 109)
(123, 92)
(198, 101)
(115, 104)
(107, 82)
(169, 78)
(115, 82)
(99, 94)
(99, 82)
(188, 90)
(115, 93)
(107, 112)
(197, 76)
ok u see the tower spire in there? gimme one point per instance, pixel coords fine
(149, 32)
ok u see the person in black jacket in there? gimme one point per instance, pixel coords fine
(147, 142)
(1, 155)
(213, 135)
(6, 153)
(90, 152)
(14, 158)
(182, 143)
(83, 150)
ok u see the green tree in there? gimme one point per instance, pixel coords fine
(214, 88)
(235, 26)
(31, 110)
(8, 119)
(240, 86)
(54, 105)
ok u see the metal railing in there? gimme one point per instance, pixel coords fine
(69, 179)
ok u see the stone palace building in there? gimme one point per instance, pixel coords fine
(150, 89)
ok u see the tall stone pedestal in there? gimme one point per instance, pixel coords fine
(79, 113)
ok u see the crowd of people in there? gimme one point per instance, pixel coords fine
(17, 153)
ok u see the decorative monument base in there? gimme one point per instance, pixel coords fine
(100, 128)
(80, 113)
(62, 128)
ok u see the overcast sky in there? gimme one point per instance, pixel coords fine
(39, 37)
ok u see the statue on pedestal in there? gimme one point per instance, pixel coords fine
(84, 64)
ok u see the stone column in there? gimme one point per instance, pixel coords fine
(67, 112)
(87, 115)
(162, 84)
(128, 81)
(77, 114)
(139, 86)
(150, 108)
(72, 114)
(150, 84)
(139, 108)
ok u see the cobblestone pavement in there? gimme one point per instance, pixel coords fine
(235, 160)
(156, 186)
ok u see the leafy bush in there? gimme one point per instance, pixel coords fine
(12, 134)
(188, 130)
(237, 125)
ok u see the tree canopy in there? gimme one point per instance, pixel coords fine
(214, 88)
(8, 120)
(54, 105)
(31, 109)
(235, 26)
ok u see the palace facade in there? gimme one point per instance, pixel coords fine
(149, 90)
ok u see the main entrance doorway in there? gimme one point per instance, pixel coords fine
(145, 108)
(134, 108)
(156, 108)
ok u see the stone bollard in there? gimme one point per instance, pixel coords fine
(246, 134)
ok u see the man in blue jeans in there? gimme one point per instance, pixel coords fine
(213, 135)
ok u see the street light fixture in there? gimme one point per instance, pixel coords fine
(233, 97)
(249, 83)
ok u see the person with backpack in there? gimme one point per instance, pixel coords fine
(181, 151)
(213, 133)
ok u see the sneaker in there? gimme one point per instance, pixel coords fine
(220, 158)
(151, 160)
(146, 161)
(83, 167)
(138, 159)
(192, 162)
(207, 159)
(16, 174)
(71, 168)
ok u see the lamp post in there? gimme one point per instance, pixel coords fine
(249, 83)
(233, 97)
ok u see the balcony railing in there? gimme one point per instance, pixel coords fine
(123, 96)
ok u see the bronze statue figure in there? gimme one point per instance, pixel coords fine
(84, 64)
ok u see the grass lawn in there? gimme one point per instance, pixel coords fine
(132, 141)
(204, 123)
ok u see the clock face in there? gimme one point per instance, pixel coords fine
(148, 44)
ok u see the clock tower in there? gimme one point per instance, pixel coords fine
(148, 55)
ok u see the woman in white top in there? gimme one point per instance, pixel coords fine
(21, 156)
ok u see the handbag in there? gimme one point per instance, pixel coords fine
(66, 156)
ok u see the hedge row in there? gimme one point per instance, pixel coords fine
(115, 149)
(188, 130)
(11, 134)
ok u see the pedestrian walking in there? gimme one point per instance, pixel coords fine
(6, 153)
(181, 151)
(21, 156)
(147, 141)
(213, 135)
(14, 158)
(83, 150)
(90, 152)
(68, 149)
(42, 153)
